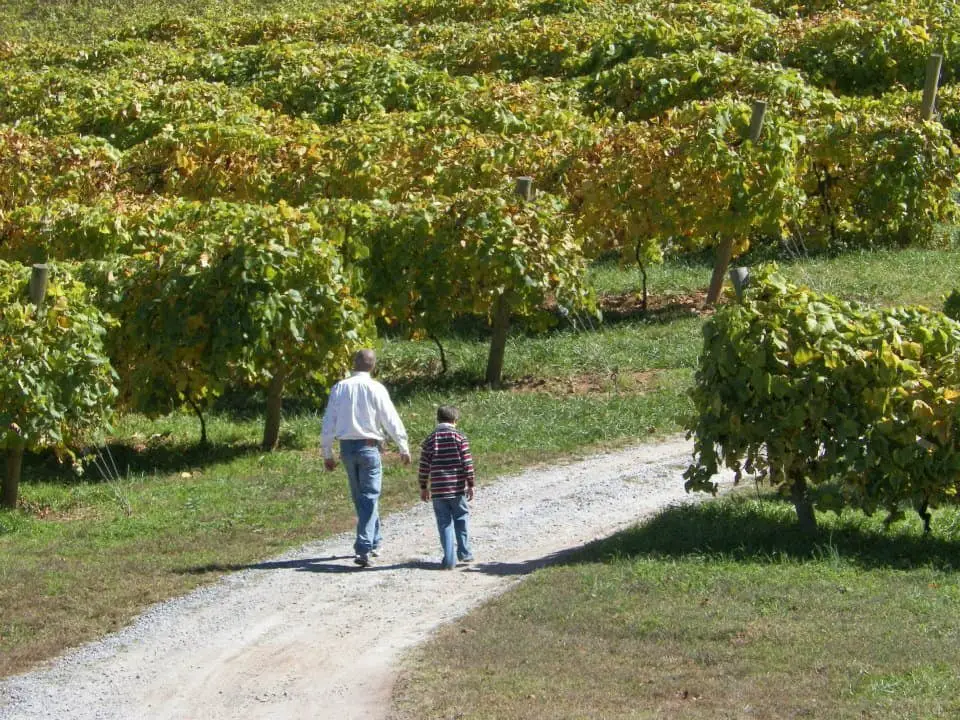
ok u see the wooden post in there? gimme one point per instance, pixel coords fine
(930, 86)
(525, 187)
(720, 263)
(739, 276)
(501, 310)
(38, 284)
(756, 119)
(725, 248)
(498, 343)
(14, 465)
(11, 481)
(271, 425)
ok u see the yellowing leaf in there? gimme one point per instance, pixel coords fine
(803, 356)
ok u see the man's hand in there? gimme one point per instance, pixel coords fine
(469, 493)
(330, 463)
(424, 494)
(405, 458)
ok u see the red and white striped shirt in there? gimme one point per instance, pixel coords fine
(445, 462)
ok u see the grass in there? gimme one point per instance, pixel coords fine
(83, 555)
(884, 277)
(716, 611)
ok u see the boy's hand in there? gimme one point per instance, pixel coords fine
(424, 494)
(469, 493)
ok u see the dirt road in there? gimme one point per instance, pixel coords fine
(311, 635)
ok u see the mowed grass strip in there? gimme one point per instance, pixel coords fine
(720, 610)
(881, 277)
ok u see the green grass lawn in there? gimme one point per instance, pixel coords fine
(717, 611)
(84, 555)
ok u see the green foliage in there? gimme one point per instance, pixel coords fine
(120, 106)
(389, 124)
(875, 47)
(806, 389)
(56, 384)
(433, 261)
(645, 88)
(877, 180)
(431, 11)
(67, 230)
(234, 294)
(551, 45)
(327, 84)
(36, 169)
(680, 184)
(856, 54)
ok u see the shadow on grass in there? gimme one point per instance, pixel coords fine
(767, 531)
(661, 309)
(126, 459)
(404, 388)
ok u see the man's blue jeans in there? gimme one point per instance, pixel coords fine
(452, 514)
(362, 463)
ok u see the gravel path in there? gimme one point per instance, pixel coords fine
(310, 635)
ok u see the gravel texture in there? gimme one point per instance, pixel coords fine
(310, 635)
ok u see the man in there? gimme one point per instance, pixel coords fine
(359, 414)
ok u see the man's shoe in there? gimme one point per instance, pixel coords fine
(363, 561)
(375, 552)
(466, 559)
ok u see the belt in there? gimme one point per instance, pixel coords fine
(362, 441)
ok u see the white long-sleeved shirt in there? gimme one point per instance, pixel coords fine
(360, 408)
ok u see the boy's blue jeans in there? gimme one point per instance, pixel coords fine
(452, 514)
(361, 459)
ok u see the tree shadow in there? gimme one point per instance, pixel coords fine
(122, 459)
(409, 386)
(525, 567)
(250, 404)
(763, 531)
(661, 309)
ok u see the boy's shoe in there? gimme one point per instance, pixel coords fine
(363, 561)
(444, 566)
(466, 559)
(375, 552)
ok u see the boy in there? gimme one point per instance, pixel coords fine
(446, 475)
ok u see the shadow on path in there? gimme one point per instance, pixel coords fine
(739, 529)
(344, 564)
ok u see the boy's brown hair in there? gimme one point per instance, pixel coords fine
(447, 414)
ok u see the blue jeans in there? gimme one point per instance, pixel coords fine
(362, 463)
(452, 514)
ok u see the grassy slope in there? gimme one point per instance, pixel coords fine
(650, 625)
(88, 554)
(716, 611)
